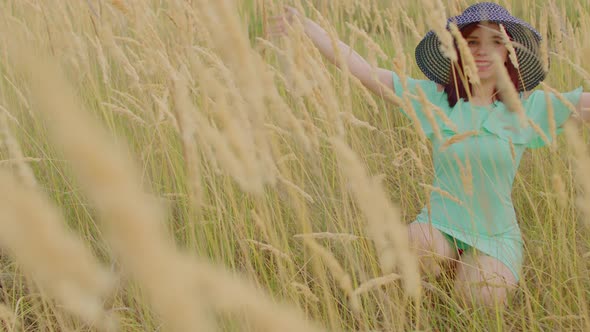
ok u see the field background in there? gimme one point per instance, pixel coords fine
(272, 176)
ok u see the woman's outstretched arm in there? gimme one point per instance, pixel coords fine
(377, 80)
(584, 107)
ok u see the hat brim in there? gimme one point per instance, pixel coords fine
(437, 67)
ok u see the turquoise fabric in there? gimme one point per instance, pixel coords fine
(483, 218)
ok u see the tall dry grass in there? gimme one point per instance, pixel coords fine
(230, 182)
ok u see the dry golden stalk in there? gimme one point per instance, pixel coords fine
(337, 272)
(544, 47)
(458, 138)
(108, 39)
(405, 102)
(328, 236)
(399, 67)
(427, 109)
(187, 128)
(371, 45)
(551, 118)
(295, 187)
(261, 224)
(413, 156)
(303, 289)
(230, 148)
(19, 93)
(234, 49)
(406, 105)
(410, 24)
(271, 249)
(507, 90)
(23, 170)
(9, 318)
(466, 174)
(438, 21)
(559, 188)
(469, 66)
(541, 134)
(442, 192)
(126, 112)
(441, 114)
(560, 96)
(229, 294)
(120, 5)
(377, 282)
(368, 97)
(22, 160)
(383, 220)
(58, 261)
(113, 184)
(176, 285)
(512, 150)
(508, 44)
(164, 112)
(581, 161)
(102, 61)
(356, 122)
(556, 30)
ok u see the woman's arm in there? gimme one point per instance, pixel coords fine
(583, 107)
(377, 80)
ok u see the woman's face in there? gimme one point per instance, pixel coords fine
(483, 41)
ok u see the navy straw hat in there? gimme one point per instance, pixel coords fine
(437, 67)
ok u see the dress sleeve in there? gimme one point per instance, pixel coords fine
(537, 111)
(430, 89)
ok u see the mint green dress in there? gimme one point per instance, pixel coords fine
(482, 218)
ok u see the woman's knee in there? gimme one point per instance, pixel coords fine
(432, 248)
(483, 293)
(484, 281)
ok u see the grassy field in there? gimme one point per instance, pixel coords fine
(167, 167)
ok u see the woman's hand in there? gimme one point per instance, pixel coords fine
(279, 25)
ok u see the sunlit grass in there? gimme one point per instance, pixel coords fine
(248, 147)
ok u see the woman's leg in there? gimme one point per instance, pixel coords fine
(433, 249)
(483, 280)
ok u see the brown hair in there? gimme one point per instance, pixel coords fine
(455, 89)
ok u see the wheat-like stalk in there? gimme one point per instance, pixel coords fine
(428, 111)
(438, 21)
(508, 44)
(56, 259)
(303, 289)
(187, 127)
(581, 161)
(469, 66)
(172, 279)
(560, 97)
(442, 192)
(376, 282)
(337, 271)
(345, 237)
(126, 211)
(512, 150)
(466, 174)
(23, 170)
(383, 223)
(507, 90)
(559, 188)
(458, 138)
(267, 247)
(544, 46)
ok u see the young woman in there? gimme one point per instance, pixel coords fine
(476, 227)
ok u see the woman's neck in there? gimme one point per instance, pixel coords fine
(483, 94)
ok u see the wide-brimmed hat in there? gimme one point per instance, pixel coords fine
(437, 67)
